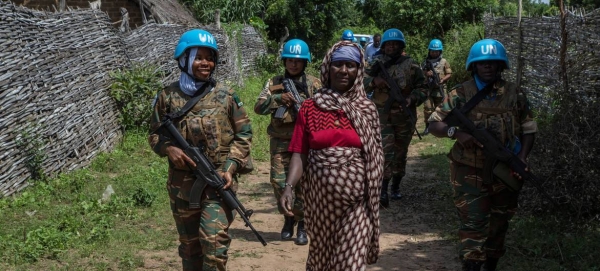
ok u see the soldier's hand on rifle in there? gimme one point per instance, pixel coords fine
(515, 174)
(288, 99)
(466, 140)
(179, 158)
(228, 179)
(380, 82)
(429, 73)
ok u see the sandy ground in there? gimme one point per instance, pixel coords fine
(410, 239)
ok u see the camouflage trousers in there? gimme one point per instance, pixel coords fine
(484, 211)
(433, 100)
(203, 233)
(396, 134)
(280, 166)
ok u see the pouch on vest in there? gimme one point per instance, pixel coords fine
(503, 172)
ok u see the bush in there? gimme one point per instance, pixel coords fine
(134, 90)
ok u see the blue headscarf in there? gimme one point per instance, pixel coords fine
(187, 83)
(346, 53)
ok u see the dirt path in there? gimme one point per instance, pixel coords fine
(410, 237)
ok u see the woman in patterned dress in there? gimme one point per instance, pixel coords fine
(338, 155)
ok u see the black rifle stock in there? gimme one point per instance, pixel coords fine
(395, 95)
(495, 151)
(436, 78)
(288, 86)
(207, 175)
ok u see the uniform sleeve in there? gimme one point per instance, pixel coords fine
(447, 69)
(299, 142)
(265, 100)
(528, 124)
(368, 79)
(419, 93)
(239, 153)
(157, 138)
(453, 99)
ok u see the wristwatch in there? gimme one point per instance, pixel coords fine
(451, 132)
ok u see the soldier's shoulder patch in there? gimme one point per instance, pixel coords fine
(237, 100)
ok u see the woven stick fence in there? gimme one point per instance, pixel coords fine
(54, 84)
(560, 70)
(53, 90)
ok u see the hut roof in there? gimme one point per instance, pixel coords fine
(168, 11)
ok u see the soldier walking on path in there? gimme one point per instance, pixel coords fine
(435, 63)
(482, 196)
(278, 101)
(396, 127)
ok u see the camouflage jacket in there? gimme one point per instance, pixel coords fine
(505, 113)
(442, 68)
(218, 122)
(269, 101)
(408, 75)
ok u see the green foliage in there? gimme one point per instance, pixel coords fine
(63, 217)
(231, 10)
(269, 64)
(315, 22)
(133, 90)
(248, 94)
(32, 146)
(457, 44)
(143, 197)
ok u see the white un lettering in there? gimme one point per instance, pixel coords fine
(204, 38)
(488, 49)
(296, 49)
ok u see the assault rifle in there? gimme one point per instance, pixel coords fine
(288, 86)
(395, 93)
(436, 78)
(496, 155)
(206, 174)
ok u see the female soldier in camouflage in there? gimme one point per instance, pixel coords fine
(484, 205)
(396, 126)
(279, 102)
(220, 124)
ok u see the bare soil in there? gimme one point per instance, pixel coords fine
(410, 240)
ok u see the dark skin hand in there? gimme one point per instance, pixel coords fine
(288, 99)
(180, 160)
(297, 164)
(440, 129)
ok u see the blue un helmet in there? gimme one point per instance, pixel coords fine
(436, 45)
(295, 48)
(348, 35)
(391, 35)
(487, 49)
(196, 38)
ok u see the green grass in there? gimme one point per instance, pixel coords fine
(60, 224)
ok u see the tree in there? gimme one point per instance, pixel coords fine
(314, 21)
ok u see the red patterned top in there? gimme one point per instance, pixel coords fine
(318, 129)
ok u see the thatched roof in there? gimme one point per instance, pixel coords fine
(169, 11)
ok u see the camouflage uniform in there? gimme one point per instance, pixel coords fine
(396, 127)
(434, 97)
(280, 131)
(484, 209)
(221, 124)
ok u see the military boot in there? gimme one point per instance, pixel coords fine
(426, 131)
(490, 264)
(384, 200)
(288, 228)
(470, 265)
(301, 238)
(396, 188)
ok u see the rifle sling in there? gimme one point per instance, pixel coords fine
(203, 91)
